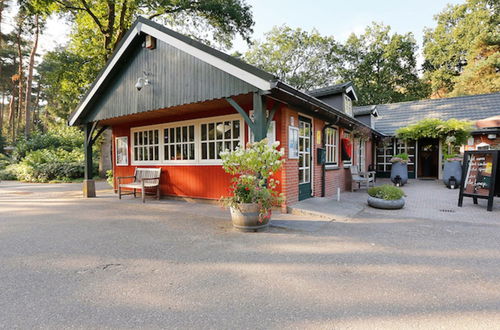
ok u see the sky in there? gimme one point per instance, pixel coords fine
(330, 17)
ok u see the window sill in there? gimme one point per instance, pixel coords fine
(331, 167)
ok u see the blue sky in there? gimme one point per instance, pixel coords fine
(341, 18)
(331, 17)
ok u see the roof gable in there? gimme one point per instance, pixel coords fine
(214, 68)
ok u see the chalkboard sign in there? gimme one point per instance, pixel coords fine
(479, 176)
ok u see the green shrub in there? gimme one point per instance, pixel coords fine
(8, 173)
(109, 178)
(4, 161)
(386, 192)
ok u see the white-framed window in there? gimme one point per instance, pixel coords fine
(384, 153)
(348, 105)
(346, 160)
(219, 136)
(146, 145)
(191, 142)
(361, 155)
(332, 145)
(271, 133)
(179, 143)
(121, 151)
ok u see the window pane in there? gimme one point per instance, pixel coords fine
(306, 175)
(136, 154)
(156, 136)
(219, 130)
(178, 153)
(204, 132)
(211, 133)
(151, 153)
(191, 133)
(157, 156)
(184, 151)
(204, 151)
(172, 152)
(301, 176)
(235, 144)
(140, 142)
(177, 134)
(166, 155)
(227, 130)
(165, 135)
(219, 149)
(191, 151)
(211, 150)
(236, 129)
(184, 134)
(140, 154)
(135, 139)
(227, 145)
(172, 135)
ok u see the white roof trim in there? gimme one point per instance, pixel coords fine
(181, 45)
(208, 58)
(350, 89)
(105, 74)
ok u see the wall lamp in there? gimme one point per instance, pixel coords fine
(142, 81)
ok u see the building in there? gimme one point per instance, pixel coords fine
(175, 103)
(426, 155)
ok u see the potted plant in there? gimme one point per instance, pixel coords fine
(399, 169)
(386, 197)
(253, 191)
(452, 172)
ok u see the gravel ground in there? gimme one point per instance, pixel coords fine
(68, 262)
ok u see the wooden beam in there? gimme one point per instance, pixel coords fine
(99, 132)
(271, 114)
(88, 130)
(260, 118)
(242, 112)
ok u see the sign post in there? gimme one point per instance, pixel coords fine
(479, 176)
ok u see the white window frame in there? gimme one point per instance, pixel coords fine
(347, 105)
(332, 143)
(124, 140)
(348, 163)
(214, 121)
(197, 131)
(145, 129)
(361, 155)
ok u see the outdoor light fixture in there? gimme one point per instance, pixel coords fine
(142, 81)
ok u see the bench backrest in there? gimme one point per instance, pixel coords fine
(145, 173)
(354, 170)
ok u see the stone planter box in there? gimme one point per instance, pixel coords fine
(246, 218)
(401, 170)
(380, 203)
(452, 169)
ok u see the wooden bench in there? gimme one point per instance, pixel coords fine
(143, 179)
(361, 178)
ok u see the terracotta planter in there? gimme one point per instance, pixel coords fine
(380, 203)
(246, 218)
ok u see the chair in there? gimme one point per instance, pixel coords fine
(143, 179)
(361, 178)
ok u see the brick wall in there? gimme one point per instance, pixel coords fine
(290, 171)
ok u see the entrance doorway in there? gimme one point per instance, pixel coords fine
(305, 137)
(428, 158)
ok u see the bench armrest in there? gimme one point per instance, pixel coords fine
(124, 177)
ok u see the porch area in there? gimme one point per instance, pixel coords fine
(425, 199)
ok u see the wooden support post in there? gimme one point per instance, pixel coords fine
(260, 117)
(88, 183)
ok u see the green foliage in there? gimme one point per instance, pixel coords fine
(45, 165)
(382, 65)
(387, 192)
(437, 128)
(109, 178)
(63, 137)
(305, 60)
(401, 158)
(253, 168)
(462, 53)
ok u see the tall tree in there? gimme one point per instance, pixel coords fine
(29, 79)
(462, 53)
(305, 60)
(382, 66)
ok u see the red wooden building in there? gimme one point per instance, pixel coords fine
(175, 103)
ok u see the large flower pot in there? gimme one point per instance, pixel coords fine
(380, 203)
(246, 218)
(452, 174)
(399, 173)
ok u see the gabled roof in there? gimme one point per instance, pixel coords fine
(244, 71)
(247, 73)
(474, 107)
(346, 87)
(365, 110)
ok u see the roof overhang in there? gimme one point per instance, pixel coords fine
(248, 73)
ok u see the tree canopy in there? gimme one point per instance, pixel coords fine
(382, 66)
(305, 60)
(462, 53)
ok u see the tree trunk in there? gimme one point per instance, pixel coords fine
(29, 81)
(12, 114)
(2, 106)
(105, 157)
(20, 81)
